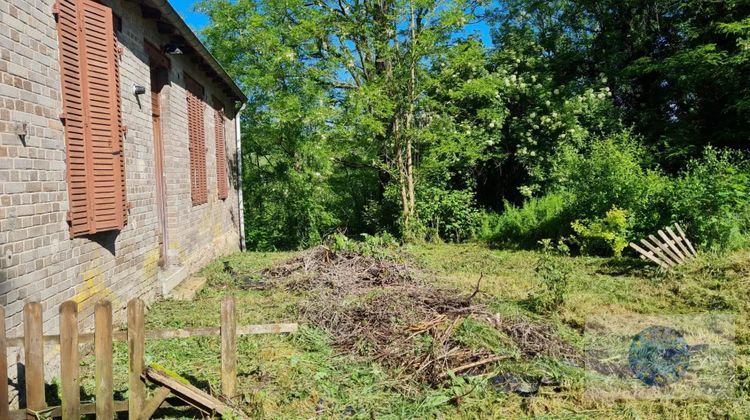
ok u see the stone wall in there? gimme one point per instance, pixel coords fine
(38, 259)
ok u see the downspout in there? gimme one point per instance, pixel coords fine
(238, 134)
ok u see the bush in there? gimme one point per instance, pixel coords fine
(614, 172)
(601, 236)
(448, 214)
(540, 218)
(554, 272)
(711, 199)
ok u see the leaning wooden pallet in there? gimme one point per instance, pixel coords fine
(668, 250)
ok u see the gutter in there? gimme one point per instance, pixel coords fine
(238, 135)
(169, 14)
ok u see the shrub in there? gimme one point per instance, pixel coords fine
(448, 214)
(554, 272)
(539, 218)
(712, 198)
(612, 172)
(602, 236)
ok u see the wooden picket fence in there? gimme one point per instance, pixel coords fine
(105, 407)
(671, 250)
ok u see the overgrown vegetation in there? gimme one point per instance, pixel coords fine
(334, 366)
(394, 117)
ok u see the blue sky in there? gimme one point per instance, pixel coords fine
(185, 8)
(199, 20)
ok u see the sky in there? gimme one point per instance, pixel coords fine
(198, 20)
(185, 8)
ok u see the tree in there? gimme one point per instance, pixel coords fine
(336, 87)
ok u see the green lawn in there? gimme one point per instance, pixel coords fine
(302, 376)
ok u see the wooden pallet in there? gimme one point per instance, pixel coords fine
(672, 249)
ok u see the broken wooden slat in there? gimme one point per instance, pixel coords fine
(163, 334)
(672, 245)
(103, 355)
(687, 241)
(69, 364)
(34, 356)
(188, 392)
(136, 358)
(679, 242)
(648, 255)
(150, 407)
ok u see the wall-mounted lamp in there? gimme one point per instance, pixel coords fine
(138, 90)
(172, 49)
(21, 129)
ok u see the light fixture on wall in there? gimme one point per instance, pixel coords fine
(172, 49)
(138, 90)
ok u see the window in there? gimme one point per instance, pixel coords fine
(221, 154)
(91, 116)
(197, 141)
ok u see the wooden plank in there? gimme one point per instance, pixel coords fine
(34, 356)
(150, 407)
(687, 241)
(136, 358)
(189, 392)
(665, 249)
(646, 254)
(657, 252)
(679, 242)
(4, 403)
(228, 347)
(267, 329)
(103, 354)
(672, 245)
(170, 333)
(69, 371)
(56, 411)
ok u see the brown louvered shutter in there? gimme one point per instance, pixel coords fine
(221, 154)
(90, 91)
(197, 141)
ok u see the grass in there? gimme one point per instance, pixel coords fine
(301, 376)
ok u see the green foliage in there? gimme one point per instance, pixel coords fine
(606, 235)
(449, 214)
(524, 226)
(371, 245)
(577, 108)
(712, 198)
(554, 272)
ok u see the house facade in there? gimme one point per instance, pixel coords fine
(118, 155)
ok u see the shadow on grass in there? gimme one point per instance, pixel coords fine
(627, 267)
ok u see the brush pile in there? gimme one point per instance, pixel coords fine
(375, 307)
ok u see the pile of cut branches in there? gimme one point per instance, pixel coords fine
(375, 307)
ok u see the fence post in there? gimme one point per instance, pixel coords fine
(228, 347)
(33, 346)
(136, 356)
(71, 398)
(4, 404)
(103, 354)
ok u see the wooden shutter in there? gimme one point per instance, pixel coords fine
(91, 113)
(197, 141)
(221, 154)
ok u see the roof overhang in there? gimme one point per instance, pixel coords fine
(169, 22)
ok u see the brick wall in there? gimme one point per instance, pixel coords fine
(38, 259)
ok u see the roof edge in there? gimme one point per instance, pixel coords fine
(171, 16)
